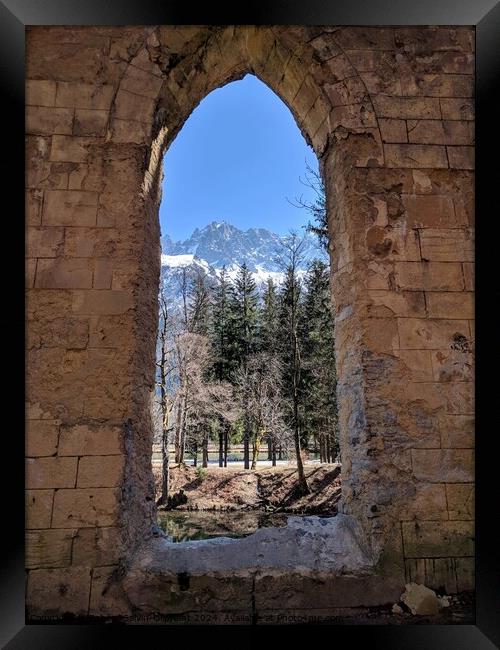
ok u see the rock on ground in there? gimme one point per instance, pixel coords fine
(420, 599)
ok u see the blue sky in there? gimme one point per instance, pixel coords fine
(238, 158)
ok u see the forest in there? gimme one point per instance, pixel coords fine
(236, 364)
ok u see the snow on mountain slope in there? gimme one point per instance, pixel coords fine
(220, 244)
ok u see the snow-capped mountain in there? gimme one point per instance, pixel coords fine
(221, 244)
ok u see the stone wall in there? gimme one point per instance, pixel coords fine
(389, 113)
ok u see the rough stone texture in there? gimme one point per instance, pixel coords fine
(389, 113)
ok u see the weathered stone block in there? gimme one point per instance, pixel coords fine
(293, 591)
(107, 331)
(32, 206)
(468, 271)
(141, 82)
(438, 85)
(44, 242)
(465, 570)
(416, 156)
(407, 108)
(64, 274)
(393, 130)
(83, 95)
(422, 40)
(430, 398)
(460, 501)
(396, 303)
(436, 573)
(452, 365)
(83, 440)
(41, 437)
(443, 304)
(457, 108)
(378, 83)
(447, 245)
(63, 332)
(429, 503)
(339, 67)
(30, 273)
(102, 302)
(40, 92)
(42, 120)
(85, 507)
(50, 472)
(461, 157)
(426, 132)
(457, 431)
(130, 131)
(366, 38)
(69, 208)
(354, 116)
(38, 508)
(459, 397)
(443, 465)
(90, 122)
(348, 91)
(437, 132)
(103, 274)
(97, 546)
(459, 132)
(48, 548)
(429, 211)
(448, 539)
(80, 242)
(107, 597)
(54, 592)
(430, 276)
(418, 363)
(129, 106)
(100, 471)
(70, 148)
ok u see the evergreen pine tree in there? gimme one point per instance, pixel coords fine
(222, 328)
(245, 304)
(222, 336)
(199, 304)
(319, 376)
(269, 318)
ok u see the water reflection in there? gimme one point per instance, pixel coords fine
(186, 525)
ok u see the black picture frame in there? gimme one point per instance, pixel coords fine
(15, 15)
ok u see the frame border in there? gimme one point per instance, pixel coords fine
(15, 15)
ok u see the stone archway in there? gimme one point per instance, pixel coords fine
(394, 147)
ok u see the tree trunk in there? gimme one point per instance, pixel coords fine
(246, 442)
(221, 445)
(256, 450)
(195, 454)
(274, 454)
(269, 448)
(182, 445)
(226, 436)
(165, 469)
(205, 450)
(303, 487)
(177, 438)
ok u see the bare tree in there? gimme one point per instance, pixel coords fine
(289, 259)
(199, 401)
(165, 368)
(260, 386)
